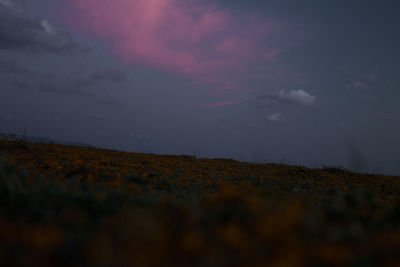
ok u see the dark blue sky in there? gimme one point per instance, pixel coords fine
(311, 83)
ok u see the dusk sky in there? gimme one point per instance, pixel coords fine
(301, 82)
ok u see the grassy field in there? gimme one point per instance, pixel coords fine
(81, 206)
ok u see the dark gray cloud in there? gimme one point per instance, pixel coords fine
(275, 117)
(21, 85)
(11, 66)
(366, 83)
(19, 31)
(79, 85)
(99, 117)
(102, 75)
(285, 97)
(24, 78)
(5, 116)
(369, 90)
(357, 86)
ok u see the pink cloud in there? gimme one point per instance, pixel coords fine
(225, 103)
(190, 37)
(220, 104)
(273, 53)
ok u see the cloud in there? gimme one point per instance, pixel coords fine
(237, 132)
(6, 117)
(99, 117)
(107, 75)
(272, 54)
(366, 88)
(49, 29)
(275, 117)
(223, 103)
(76, 85)
(296, 96)
(292, 97)
(138, 135)
(197, 38)
(11, 66)
(7, 3)
(19, 31)
(357, 86)
(374, 78)
(366, 84)
(21, 85)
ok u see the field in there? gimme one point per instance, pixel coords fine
(81, 206)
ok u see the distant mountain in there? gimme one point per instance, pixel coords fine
(37, 139)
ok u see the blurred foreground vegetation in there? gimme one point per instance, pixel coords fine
(68, 205)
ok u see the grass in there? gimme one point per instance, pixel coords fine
(66, 205)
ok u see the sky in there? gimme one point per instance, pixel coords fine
(313, 83)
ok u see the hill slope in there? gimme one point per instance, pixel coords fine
(81, 205)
